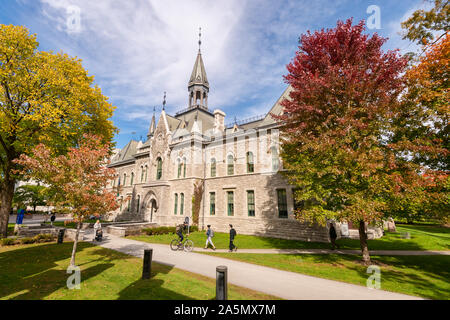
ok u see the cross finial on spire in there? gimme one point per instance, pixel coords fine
(164, 101)
(199, 39)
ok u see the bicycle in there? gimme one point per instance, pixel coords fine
(186, 245)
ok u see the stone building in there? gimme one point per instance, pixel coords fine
(237, 165)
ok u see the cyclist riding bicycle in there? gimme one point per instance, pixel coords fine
(180, 229)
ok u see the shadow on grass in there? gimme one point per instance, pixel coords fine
(425, 276)
(151, 289)
(34, 272)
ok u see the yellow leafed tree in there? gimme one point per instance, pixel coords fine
(44, 98)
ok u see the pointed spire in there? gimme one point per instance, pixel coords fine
(151, 131)
(199, 39)
(198, 75)
(164, 101)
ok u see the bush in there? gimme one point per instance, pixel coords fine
(165, 230)
(47, 237)
(7, 242)
(27, 240)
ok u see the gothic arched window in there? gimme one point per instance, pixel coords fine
(158, 169)
(250, 163)
(213, 167)
(275, 159)
(230, 165)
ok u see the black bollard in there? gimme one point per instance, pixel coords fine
(147, 268)
(221, 283)
(61, 235)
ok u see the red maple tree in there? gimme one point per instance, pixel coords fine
(78, 180)
(336, 124)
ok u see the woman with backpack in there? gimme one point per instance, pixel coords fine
(209, 235)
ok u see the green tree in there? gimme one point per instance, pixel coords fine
(428, 27)
(31, 195)
(44, 98)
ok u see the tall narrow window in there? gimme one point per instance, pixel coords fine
(176, 204)
(282, 203)
(181, 204)
(129, 204)
(118, 188)
(212, 203)
(132, 179)
(275, 160)
(213, 167)
(121, 203)
(251, 203)
(138, 204)
(142, 174)
(179, 169)
(250, 164)
(184, 168)
(146, 171)
(230, 162)
(158, 169)
(230, 197)
(124, 179)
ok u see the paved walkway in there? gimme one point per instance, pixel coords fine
(283, 284)
(327, 251)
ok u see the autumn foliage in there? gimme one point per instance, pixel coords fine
(345, 91)
(78, 180)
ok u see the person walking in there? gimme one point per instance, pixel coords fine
(209, 235)
(52, 218)
(232, 236)
(333, 237)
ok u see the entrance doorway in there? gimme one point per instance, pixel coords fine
(152, 208)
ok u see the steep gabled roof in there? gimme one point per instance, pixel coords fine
(198, 75)
(277, 108)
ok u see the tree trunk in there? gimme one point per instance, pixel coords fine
(6, 197)
(363, 242)
(75, 243)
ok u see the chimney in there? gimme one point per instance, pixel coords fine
(219, 120)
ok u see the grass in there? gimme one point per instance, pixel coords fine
(422, 238)
(10, 229)
(38, 272)
(424, 276)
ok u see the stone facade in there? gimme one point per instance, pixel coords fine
(238, 165)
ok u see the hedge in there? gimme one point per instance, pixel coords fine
(165, 230)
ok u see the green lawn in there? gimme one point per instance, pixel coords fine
(422, 238)
(35, 272)
(424, 276)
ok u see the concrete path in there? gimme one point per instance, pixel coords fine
(283, 284)
(327, 251)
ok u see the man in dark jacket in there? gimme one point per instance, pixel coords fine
(232, 235)
(180, 229)
(333, 237)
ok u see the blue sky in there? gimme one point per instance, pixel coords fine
(137, 49)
